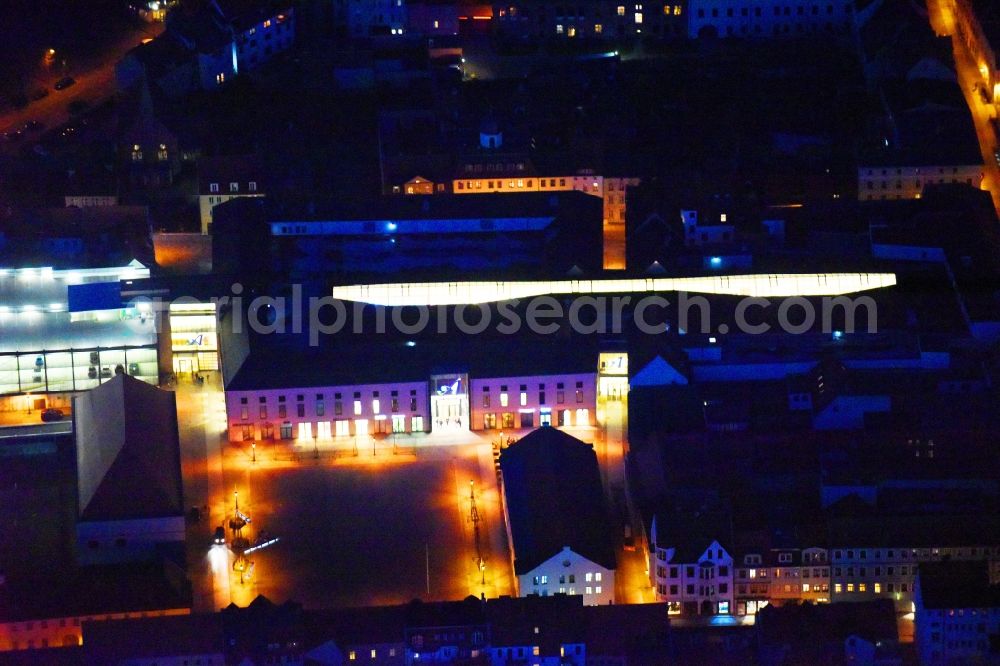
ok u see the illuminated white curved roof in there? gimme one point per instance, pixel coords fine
(471, 293)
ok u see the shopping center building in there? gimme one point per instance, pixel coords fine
(64, 331)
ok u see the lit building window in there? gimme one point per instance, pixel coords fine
(267, 24)
(161, 154)
(357, 407)
(376, 406)
(621, 10)
(351, 655)
(373, 654)
(524, 398)
(838, 588)
(220, 78)
(878, 588)
(572, 33)
(136, 153)
(598, 28)
(559, 29)
(503, 399)
(677, 10)
(850, 587)
(234, 187)
(436, 25)
(638, 17)
(252, 186)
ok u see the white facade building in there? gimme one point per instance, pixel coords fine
(569, 573)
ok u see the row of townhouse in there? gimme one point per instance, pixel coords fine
(978, 23)
(681, 18)
(505, 631)
(600, 19)
(705, 577)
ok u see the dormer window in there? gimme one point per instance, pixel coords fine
(213, 187)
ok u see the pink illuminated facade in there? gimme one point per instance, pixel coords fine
(444, 402)
(529, 402)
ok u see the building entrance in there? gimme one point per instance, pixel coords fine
(449, 402)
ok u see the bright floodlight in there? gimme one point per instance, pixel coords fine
(471, 293)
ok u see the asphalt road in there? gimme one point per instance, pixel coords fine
(943, 21)
(95, 82)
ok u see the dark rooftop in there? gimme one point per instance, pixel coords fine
(957, 584)
(128, 456)
(346, 359)
(95, 590)
(816, 624)
(554, 499)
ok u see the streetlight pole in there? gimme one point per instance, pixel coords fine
(253, 450)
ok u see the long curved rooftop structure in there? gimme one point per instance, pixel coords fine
(765, 285)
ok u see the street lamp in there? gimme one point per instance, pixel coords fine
(253, 450)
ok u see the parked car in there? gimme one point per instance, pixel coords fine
(220, 535)
(52, 414)
(64, 82)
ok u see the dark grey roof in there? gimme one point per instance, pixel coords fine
(344, 359)
(930, 125)
(94, 590)
(552, 487)
(814, 624)
(867, 529)
(127, 451)
(945, 585)
(429, 207)
(689, 530)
